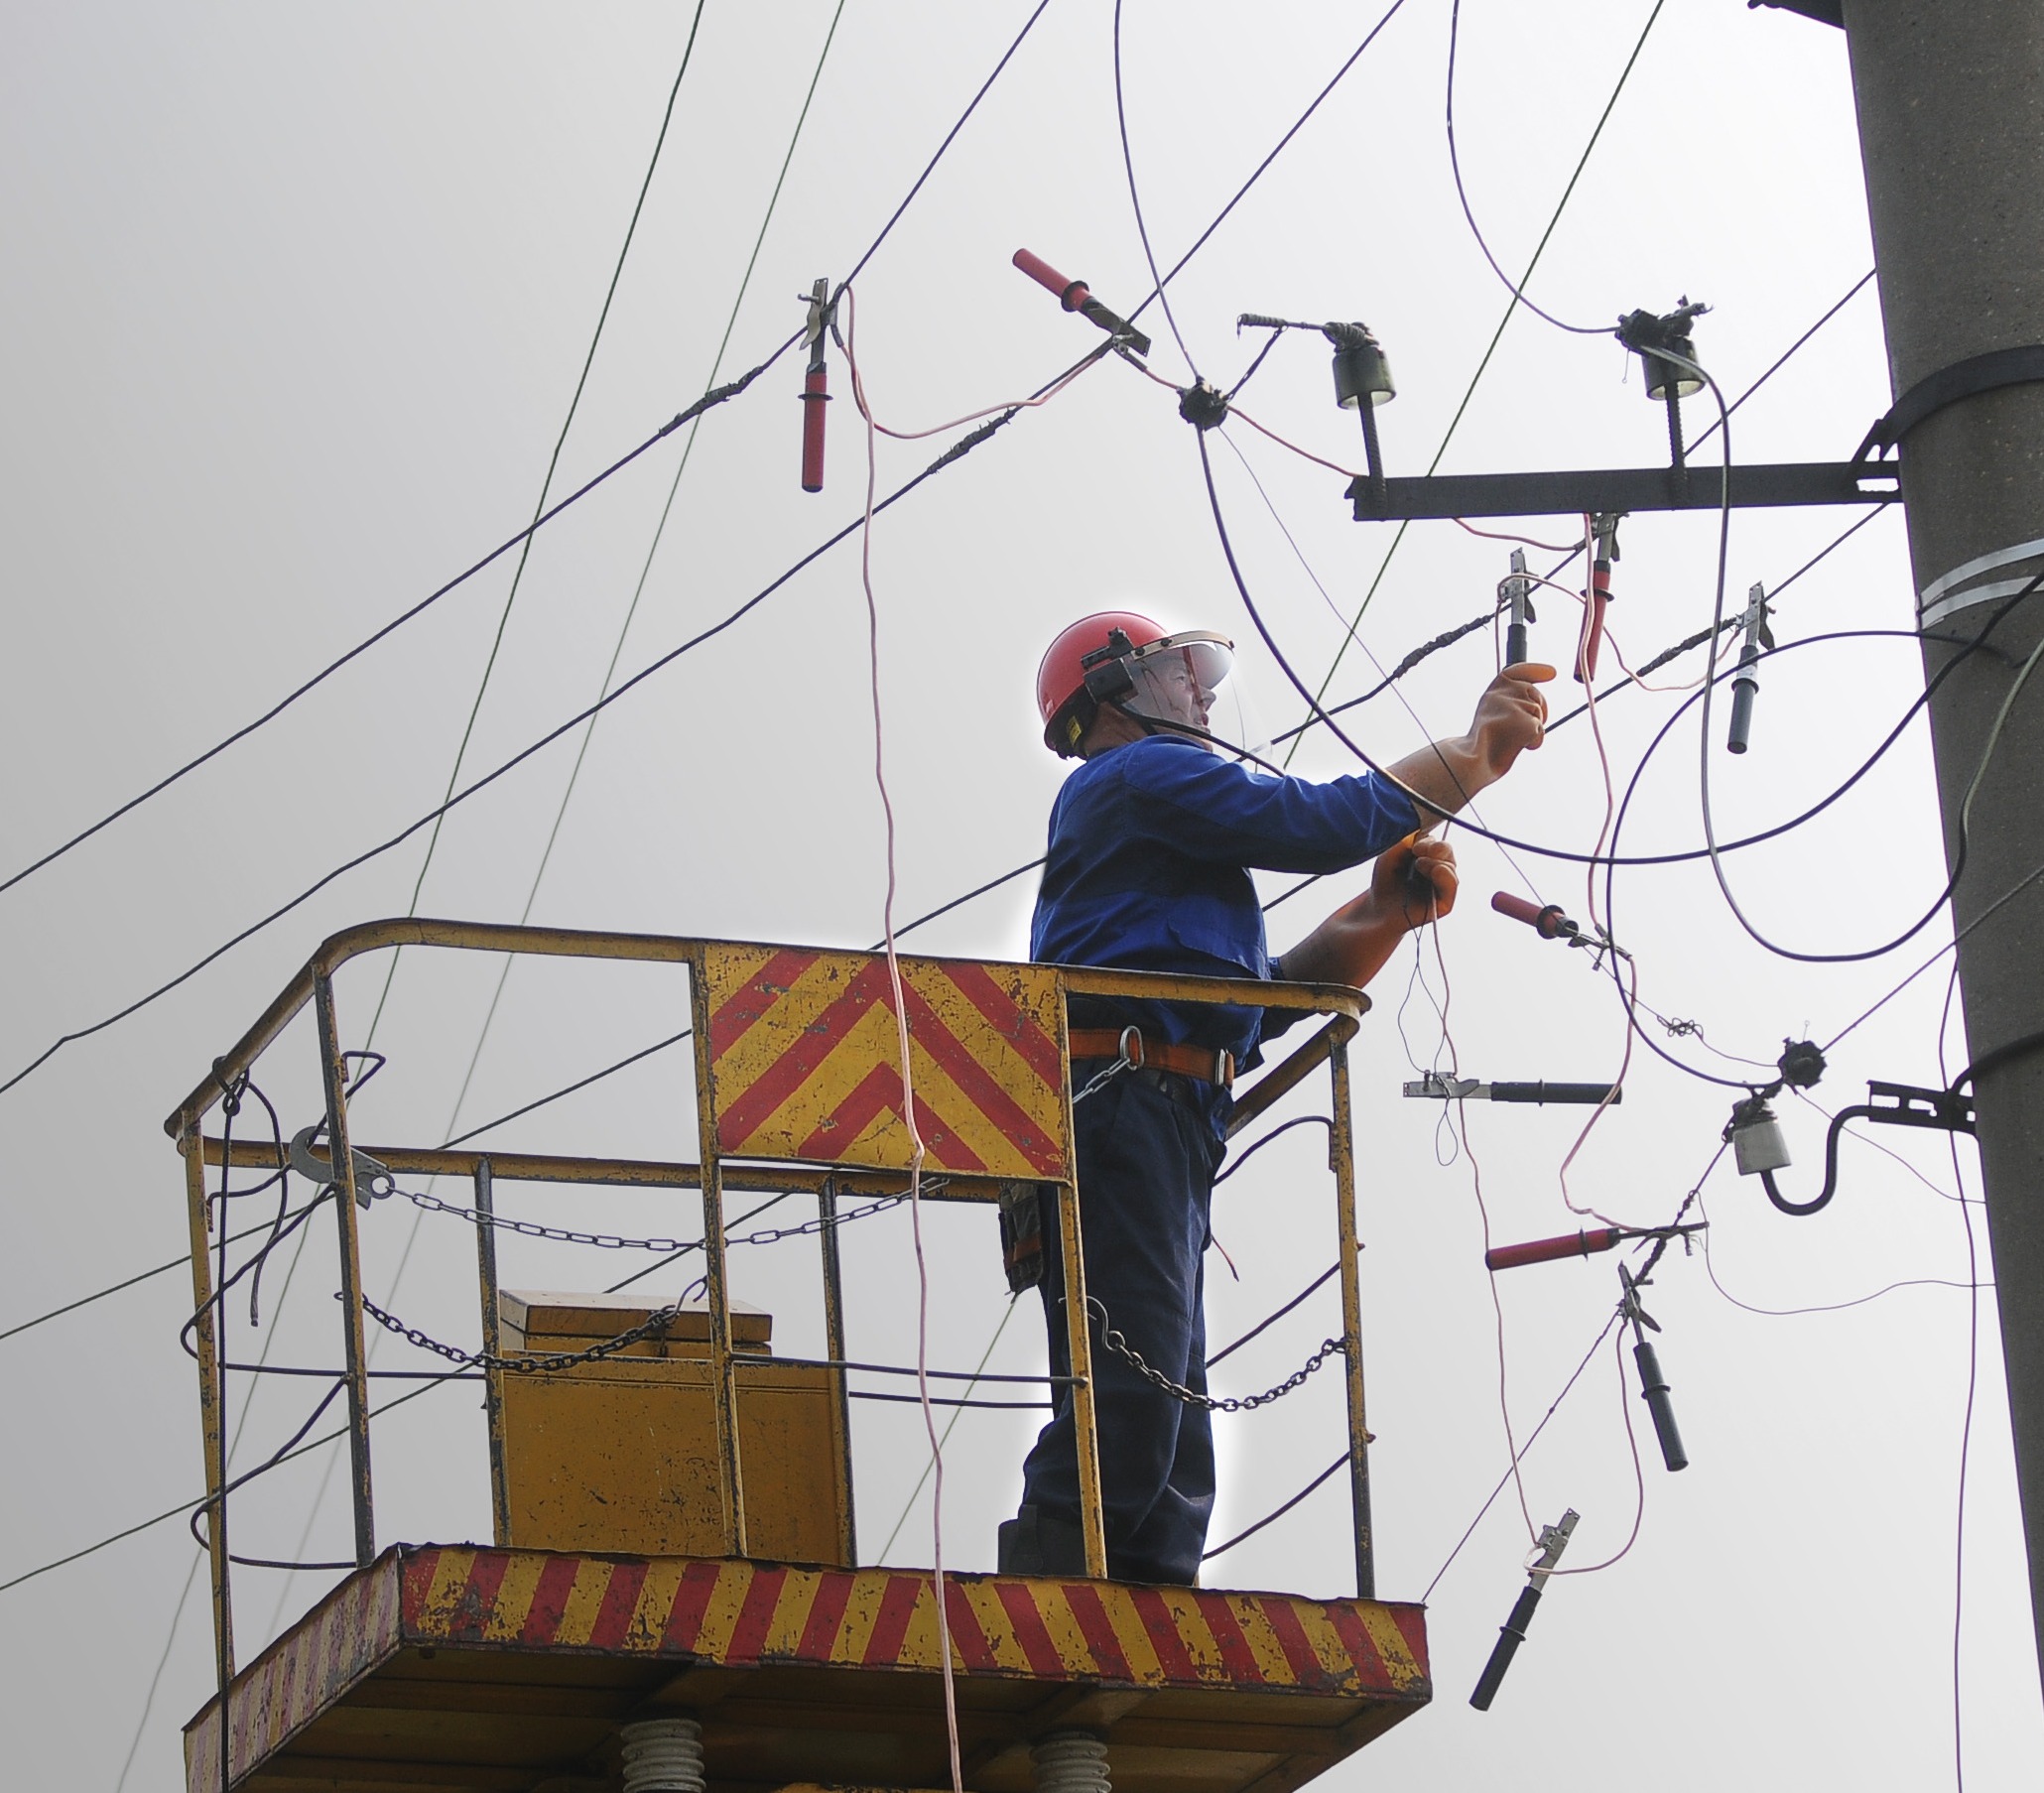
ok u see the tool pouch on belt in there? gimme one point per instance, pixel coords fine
(1021, 1236)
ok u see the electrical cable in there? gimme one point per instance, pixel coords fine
(1460, 193)
(986, 1356)
(175, 1263)
(1136, 205)
(1702, 635)
(1271, 1320)
(1497, 336)
(917, 1150)
(1973, 1372)
(547, 485)
(929, 167)
(947, 458)
(186, 1507)
(1704, 731)
(1781, 361)
(1512, 1469)
(1006, 877)
(705, 403)
(581, 382)
(1272, 1517)
(631, 609)
(1256, 174)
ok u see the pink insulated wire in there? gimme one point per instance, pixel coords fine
(916, 1149)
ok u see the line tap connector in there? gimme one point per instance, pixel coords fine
(1653, 1385)
(1554, 1539)
(1550, 923)
(1515, 597)
(815, 385)
(1583, 1244)
(1440, 1088)
(1603, 531)
(1745, 682)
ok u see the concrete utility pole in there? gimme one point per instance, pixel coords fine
(1950, 103)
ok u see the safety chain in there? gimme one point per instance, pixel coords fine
(1243, 1403)
(766, 1236)
(524, 1367)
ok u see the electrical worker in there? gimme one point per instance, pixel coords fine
(1151, 843)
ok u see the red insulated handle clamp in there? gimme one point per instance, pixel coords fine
(1546, 1251)
(1072, 293)
(815, 396)
(1546, 923)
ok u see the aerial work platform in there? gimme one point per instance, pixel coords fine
(540, 1663)
(451, 1666)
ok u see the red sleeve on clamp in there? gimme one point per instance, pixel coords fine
(815, 395)
(1546, 1251)
(1072, 293)
(1545, 922)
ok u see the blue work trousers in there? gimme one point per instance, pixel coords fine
(1147, 1155)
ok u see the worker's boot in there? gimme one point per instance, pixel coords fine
(1034, 1542)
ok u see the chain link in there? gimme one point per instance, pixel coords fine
(611, 1241)
(647, 1329)
(1245, 1403)
(524, 1366)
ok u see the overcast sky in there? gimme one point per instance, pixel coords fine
(296, 301)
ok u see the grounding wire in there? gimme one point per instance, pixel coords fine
(581, 382)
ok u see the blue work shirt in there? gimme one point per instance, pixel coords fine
(1148, 870)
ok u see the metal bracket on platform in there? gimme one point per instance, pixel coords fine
(372, 1176)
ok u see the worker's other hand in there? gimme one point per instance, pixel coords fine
(1415, 881)
(1510, 718)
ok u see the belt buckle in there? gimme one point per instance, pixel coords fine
(1135, 1060)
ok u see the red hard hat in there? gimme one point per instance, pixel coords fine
(1061, 698)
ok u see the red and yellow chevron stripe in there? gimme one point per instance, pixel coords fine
(804, 1060)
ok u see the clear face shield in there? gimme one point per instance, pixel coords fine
(1175, 680)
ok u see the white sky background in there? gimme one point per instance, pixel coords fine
(295, 301)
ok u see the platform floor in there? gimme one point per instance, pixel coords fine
(444, 1667)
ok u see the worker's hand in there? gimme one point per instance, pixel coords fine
(1415, 881)
(1511, 717)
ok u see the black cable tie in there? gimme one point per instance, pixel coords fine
(1998, 367)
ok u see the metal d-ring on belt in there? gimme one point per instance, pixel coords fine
(1128, 1048)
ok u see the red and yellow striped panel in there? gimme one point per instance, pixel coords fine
(301, 1675)
(744, 1615)
(804, 1060)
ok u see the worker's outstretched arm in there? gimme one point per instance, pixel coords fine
(1511, 716)
(1413, 883)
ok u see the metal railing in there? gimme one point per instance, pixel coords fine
(1000, 1027)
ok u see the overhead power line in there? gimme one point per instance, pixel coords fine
(1496, 337)
(581, 382)
(496, 554)
(949, 458)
